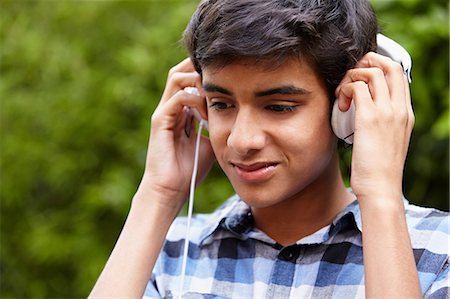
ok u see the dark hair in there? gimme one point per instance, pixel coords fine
(332, 35)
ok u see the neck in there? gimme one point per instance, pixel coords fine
(305, 213)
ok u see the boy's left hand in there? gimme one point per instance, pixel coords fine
(384, 120)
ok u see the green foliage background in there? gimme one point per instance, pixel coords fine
(78, 83)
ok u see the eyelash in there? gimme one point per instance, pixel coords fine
(276, 108)
(220, 106)
(281, 108)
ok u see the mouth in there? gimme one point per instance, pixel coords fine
(255, 172)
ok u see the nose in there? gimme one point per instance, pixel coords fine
(247, 134)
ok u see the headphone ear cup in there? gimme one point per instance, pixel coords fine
(343, 123)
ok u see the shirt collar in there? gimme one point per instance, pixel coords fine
(234, 217)
(350, 213)
(353, 211)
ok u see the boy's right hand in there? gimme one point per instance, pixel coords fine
(170, 155)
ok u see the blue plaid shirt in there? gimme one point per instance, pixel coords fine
(230, 258)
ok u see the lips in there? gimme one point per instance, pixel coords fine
(255, 172)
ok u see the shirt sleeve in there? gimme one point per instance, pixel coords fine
(440, 287)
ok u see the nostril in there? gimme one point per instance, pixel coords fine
(244, 143)
(246, 133)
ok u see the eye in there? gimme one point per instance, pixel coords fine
(281, 108)
(220, 105)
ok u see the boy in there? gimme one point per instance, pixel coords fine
(268, 72)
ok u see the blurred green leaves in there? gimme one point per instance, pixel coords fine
(422, 28)
(78, 83)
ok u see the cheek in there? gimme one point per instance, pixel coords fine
(319, 124)
(311, 135)
(310, 125)
(218, 133)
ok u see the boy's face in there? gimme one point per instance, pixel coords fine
(269, 129)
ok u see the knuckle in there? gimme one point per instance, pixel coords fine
(377, 72)
(360, 84)
(155, 117)
(396, 67)
(175, 76)
(389, 116)
(371, 118)
(350, 73)
(355, 75)
(172, 71)
(385, 59)
(370, 55)
(402, 116)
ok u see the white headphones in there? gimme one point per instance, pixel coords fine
(343, 123)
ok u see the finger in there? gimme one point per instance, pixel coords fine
(393, 73)
(409, 107)
(344, 102)
(358, 92)
(184, 66)
(179, 81)
(410, 114)
(168, 115)
(374, 78)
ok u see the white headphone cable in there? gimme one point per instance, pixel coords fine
(190, 207)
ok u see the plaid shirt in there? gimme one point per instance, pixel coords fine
(230, 258)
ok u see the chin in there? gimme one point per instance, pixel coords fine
(273, 193)
(259, 197)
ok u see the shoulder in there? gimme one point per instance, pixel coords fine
(201, 225)
(430, 239)
(427, 221)
(195, 230)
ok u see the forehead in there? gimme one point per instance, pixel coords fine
(292, 71)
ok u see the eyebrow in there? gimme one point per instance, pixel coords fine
(282, 90)
(209, 87)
